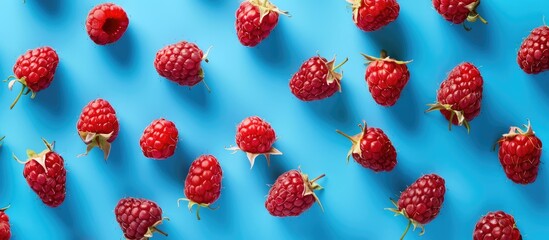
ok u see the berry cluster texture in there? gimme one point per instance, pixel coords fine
(310, 81)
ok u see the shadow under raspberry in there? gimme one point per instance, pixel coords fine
(124, 51)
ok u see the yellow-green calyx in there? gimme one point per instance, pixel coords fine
(334, 76)
(311, 186)
(96, 140)
(473, 16)
(355, 5)
(265, 7)
(252, 156)
(411, 222)
(383, 57)
(198, 206)
(153, 228)
(453, 113)
(40, 158)
(355, 149)
(515, 131)
(25, 90)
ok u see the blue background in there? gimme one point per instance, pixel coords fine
(254, 81)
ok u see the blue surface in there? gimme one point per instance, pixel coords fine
(254, 81)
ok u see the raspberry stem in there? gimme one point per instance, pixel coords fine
(347, 136)
(5, 208)
(317, 178)
(160, 231)
(18, 97)
(406, 230)
(341, 64)
(383, 54)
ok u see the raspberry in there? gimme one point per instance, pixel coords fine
(372, 15)
(98, 126)
(421, 202)
(5, 230)
(46, 175)
(203, 183)
(316, 79)
(460, 95)
(255, 19)
(34, 70)
(138, 218)
(180, 63)
(159, 139)
(519, 154)
(496, 226)
(106, 23)
(386, 78)
(292, 194)
(255, 137)
(533, 55)
(372, 149)
(457, 11)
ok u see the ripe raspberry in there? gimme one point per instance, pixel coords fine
(255, 19)
(386, 77)
(533, 55)
(203, 183)
(316, 79)
(180, 63)
(46, 175)
(519, 154)
(460, 95)
(372, 149)
(34, 70)
(372, 15)
(421, 202)
(159, 139)
(5, 231)
(98, 126)
(106, 23)
(255, 137)
(496, 226)
(457, 11)
(138, 218)
(292, 194)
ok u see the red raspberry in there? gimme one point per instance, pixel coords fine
(519, 154)
(292, 194)
(98, 126)
(138, 218)
(255, 19)
(316, 79)
(180, 63)
(5, 231)
(421, 202)
(386, 77)
(372, 15)
(46, 175)
(159, 139)
(457, 11)
(203, 183)
(255, 137)
(460, 95)
(496, 226)
(372, 149)
(106, 23)
(34, 70)
(533, 55)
